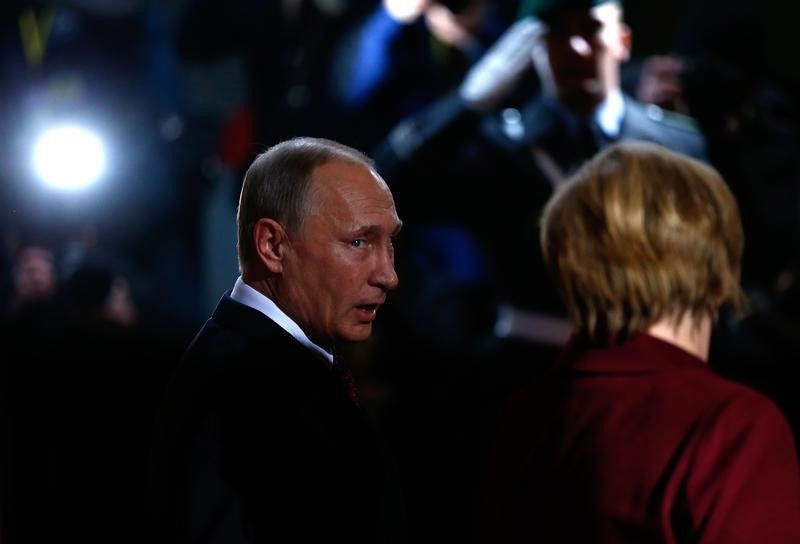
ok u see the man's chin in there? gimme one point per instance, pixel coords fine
(358, 333)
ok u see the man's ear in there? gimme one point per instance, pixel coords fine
(626, 42)
(271, 244)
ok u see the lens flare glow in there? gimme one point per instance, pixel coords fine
(69, 157)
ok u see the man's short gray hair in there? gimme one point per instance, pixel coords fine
(276, 185)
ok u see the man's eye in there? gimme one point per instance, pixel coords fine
(357, 243)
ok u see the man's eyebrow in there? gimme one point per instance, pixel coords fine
(372, 230)
(366, 230)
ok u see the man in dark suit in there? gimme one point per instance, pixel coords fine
(261, 438)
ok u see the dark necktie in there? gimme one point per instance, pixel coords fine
(584, 142)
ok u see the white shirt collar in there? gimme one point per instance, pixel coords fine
(609, 114)
(244, 294)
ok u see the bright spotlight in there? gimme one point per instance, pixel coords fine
(69, 157)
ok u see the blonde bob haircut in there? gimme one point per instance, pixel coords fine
(641, 233)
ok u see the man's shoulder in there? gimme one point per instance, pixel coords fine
(673, 130)
(237, 337)
(667, 119)
(520, 124)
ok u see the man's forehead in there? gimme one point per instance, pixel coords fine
(343, 185)
(344, 178)
(342, 170)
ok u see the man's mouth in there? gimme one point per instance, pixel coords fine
(367, 312)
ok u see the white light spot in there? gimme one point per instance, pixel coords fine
(69, 157)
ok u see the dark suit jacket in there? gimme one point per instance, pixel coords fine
(642, 443)
(258, 441)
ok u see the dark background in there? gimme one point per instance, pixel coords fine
(186, 92)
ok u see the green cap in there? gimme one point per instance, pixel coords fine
(548, 8)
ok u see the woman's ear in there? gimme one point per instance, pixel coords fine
(271, 244)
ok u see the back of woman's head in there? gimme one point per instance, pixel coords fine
(641, 233)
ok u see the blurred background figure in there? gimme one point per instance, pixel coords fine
(95, 293)
(27, 325)
(80, 382)
(501, 161)
(34, 281)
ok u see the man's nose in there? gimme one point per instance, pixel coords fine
(384, 274)
(580, 46)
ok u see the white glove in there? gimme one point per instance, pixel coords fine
(496, 73)
(405, 11)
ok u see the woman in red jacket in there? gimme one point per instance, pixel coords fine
(631, 437)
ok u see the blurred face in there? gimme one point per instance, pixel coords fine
(35, 276)
(340, 266)
(578, 60)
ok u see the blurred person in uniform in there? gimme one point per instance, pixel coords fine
(503, 163)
